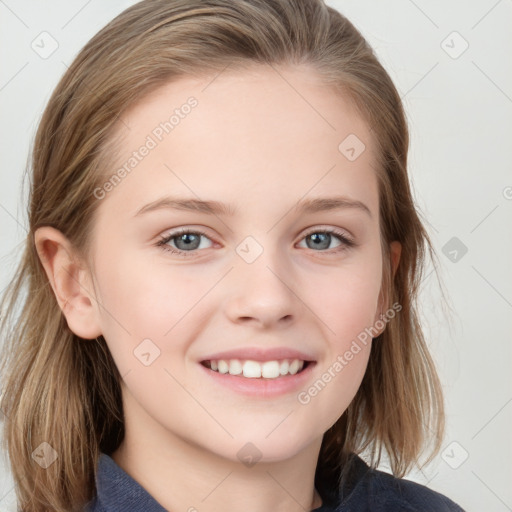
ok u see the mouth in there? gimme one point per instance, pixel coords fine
(262, 370)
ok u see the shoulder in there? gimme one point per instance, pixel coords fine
(116, 490)
(377, 491)
(93, 506)
(399, 494)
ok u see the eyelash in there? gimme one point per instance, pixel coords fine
(346, 242)
(166, 239)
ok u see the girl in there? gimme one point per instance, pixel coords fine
(221, 274)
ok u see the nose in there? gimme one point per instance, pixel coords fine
(261, 293)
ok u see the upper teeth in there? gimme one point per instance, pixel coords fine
(255, 370)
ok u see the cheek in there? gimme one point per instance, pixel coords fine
(145, 299)
(341, 379)
(347, 299)
(346, 308)
(143, 294)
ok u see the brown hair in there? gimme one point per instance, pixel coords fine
(66, 392)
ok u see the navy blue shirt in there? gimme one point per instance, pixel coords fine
(368, 491)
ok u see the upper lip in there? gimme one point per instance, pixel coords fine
(260, 354)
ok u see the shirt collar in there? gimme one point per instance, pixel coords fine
(117, 490)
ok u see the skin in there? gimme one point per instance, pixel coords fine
(258, 144)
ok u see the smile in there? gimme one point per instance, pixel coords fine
(257, 370)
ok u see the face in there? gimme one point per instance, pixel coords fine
(247, 229)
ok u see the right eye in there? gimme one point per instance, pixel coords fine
(184, 242)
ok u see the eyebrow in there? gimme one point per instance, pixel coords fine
(217, 208)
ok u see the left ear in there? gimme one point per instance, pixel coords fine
(395, 250)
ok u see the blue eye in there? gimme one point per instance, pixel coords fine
(321, 239)
(186, 242)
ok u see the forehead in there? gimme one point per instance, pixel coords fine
(262, 130)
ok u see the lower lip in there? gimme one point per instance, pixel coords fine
(263, 388)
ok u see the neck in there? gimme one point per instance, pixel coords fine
(181, 475)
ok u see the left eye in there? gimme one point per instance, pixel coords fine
(322, 240)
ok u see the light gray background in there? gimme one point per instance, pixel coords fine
(459, 105)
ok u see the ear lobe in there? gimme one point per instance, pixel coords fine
(69, 282)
